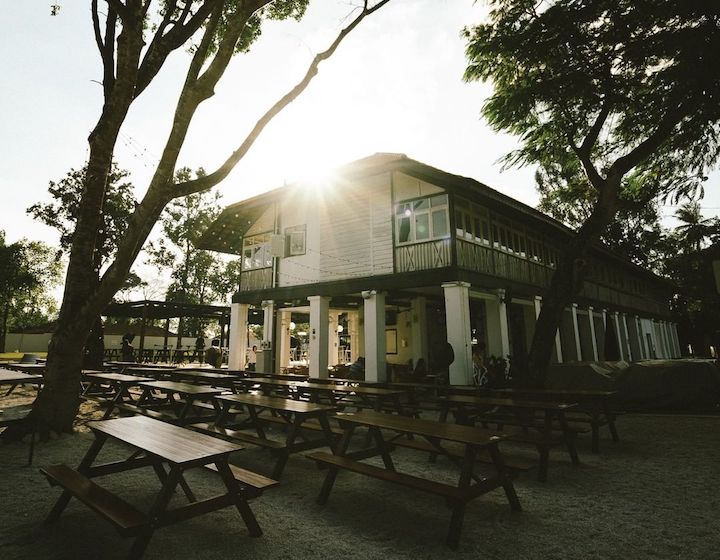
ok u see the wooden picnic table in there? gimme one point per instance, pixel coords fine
(518, 412)
(112, 387)
(156, 373)
(18, 413)
(212, 378)
(175, 401)
(367, 397)
(25, 368)
(159, 445)
(597, 405)
(474, 480)
(295, 416)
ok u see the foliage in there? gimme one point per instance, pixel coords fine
(62, 213)
(29, 270)
(616, 101)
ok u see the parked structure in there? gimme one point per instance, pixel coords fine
(406, 256)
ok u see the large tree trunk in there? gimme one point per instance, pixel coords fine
(567, 282)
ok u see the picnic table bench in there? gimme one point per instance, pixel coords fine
(473, 480)
(114, 388)
(158, 445)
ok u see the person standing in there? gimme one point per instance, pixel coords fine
(252, 358)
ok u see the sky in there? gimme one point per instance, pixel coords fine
(394, 85)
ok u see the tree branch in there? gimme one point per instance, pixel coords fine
(212, 179)
(594, 132)
(162, 45)
(119, 8)
(646, 148)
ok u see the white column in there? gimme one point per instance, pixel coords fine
(578, 348)
(591, 319)
(332, 347)
(354, 328)
(618, 335)
(627, 337)
(264, 356)
(238, 335)
(669, 340)
(497, 327)
(678, 349)
(319, 306)
(418, 329)
(375, 346)
(282, 357)
(457, 319)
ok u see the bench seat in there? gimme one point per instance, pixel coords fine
(249, 479)
(437, 488)
(126, 519)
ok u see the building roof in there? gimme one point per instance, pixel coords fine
(225, 234)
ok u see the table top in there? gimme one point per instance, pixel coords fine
(277, 403)
(145, 365)
(328, 387)
(429, 428)
(184, 388)
(119, 377)
(8, 377)
(155, 373)
(511, 403)
(197, 374)
(172, 443)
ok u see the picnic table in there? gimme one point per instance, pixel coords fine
(174, 402)
(596, 405)
(295, 416)
(112, 387)
(474, 479)
(337, 395)
(212, 378)
(25, 368)
(18, 413)
(158, 445)
(521, 413)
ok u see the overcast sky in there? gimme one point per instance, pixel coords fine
(395, 85)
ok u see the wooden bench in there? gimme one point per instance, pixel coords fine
(447, 492)
(149, 412)
(249, 479)
(124, 517)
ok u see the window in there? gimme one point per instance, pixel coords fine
(422, 219)
(256, 252)
(295, 239)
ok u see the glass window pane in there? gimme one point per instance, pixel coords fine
(421, 204)
(440, 224)
(422, 227)
(404, 229)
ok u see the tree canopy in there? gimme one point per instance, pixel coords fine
(615, 101)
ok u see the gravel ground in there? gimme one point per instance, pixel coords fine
(653, 495)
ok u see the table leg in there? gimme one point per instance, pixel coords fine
(505, 479)
(458, 506)
(162, 475)
(340, 450)
(380, 442)
(569, 438)
(87, 460)
(240, 503)
(289, 440)
(160, 505)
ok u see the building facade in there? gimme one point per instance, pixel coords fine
(403, 257)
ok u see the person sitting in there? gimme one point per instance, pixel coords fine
(479, 370)
(213, 355)
(357, 369)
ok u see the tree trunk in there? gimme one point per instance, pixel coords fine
(3, 326)
(567, 282)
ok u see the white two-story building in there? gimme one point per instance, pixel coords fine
(402, 255)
